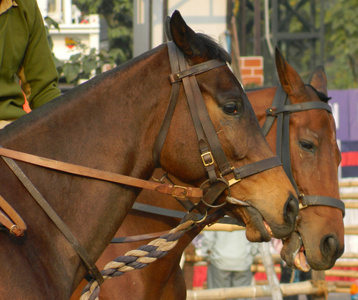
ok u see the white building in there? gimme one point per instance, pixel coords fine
(206, 16)
(73, 27)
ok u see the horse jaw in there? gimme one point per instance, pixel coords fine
(293, 253)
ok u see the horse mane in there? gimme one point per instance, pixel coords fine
(215, 50)
(320, 95)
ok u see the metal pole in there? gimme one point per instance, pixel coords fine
(257, 32)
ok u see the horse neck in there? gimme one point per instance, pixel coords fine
(102, 122)
(109, 123)
(261, 100)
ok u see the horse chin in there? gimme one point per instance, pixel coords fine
(293, 253)
(257, 230)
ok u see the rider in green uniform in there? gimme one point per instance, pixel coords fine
(26, 62)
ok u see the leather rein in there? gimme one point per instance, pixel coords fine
(210, 149)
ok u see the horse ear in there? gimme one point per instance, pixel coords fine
(185, 38)
(319, 80)
(291, 82)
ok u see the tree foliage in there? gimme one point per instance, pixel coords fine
(82, 65)
(341, 25)
(340, 39)
(89, 62)
(119, 19)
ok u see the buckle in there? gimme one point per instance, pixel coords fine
(301, 206)
(173, 78)
(211, 162)
(232, 181)
(182, 194)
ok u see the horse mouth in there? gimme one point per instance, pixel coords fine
(268, 229)
(257, 229)
(293, 252)
(259, 225)
(300, 260)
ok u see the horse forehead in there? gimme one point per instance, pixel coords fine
(220, 78)
(318, 121)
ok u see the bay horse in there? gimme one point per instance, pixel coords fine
(85, 156)
(314, 159)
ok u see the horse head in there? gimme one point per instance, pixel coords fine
(314, 158)
(272, 206)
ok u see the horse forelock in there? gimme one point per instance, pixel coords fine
(320, 95)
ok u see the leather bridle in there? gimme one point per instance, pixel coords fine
(210, 150)
(282, 110)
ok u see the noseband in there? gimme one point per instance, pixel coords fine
(282, 109)
(210, 149)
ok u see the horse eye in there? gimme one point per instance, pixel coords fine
(308, 146)
(231, 108)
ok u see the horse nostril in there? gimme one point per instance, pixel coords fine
(329, 246)
(291, 209)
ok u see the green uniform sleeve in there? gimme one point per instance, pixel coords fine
(38, 73)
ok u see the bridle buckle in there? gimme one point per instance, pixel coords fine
(233, 181)
(207, 161)
(302, 206)
(182, 193)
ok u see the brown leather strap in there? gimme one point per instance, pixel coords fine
(207, 158)
(174, 190)
(82, 253)
(195, 70)
(210, 132)
(312, 200)
(257, 167)
(159, 142)
(11, 219)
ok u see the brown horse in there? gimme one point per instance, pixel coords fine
(314, 161)
(111, 123)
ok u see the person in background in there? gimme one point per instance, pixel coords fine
(230, 256)
(27, 67)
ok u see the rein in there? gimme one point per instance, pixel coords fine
(282, 109)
